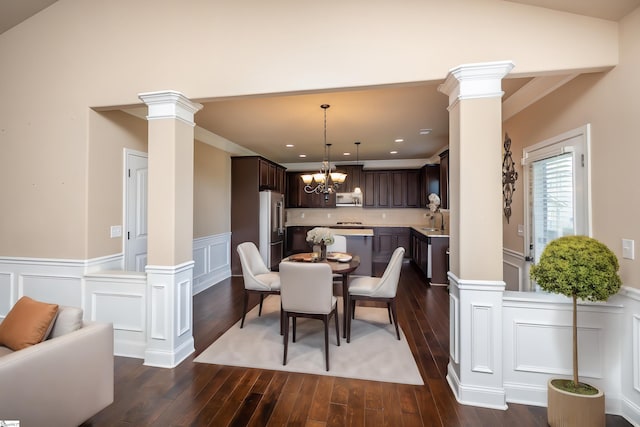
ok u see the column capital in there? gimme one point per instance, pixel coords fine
(482, 80)
(170, 104)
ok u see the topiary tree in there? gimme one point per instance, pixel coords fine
(578, 267)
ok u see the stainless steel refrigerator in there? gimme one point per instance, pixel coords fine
(271, 234)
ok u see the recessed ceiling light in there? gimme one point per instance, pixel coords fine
(399, 140)
(289, 145)
(393, 152)
(425, 131)
(302, 155)
(346, 154)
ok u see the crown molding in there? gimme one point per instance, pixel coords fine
(471, 81)
(170, 104)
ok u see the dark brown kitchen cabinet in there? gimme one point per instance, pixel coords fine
(444, 179)
(429, 254)
(249, 175)
(413, 189)
(420, 251)
(387, 239)
(429, 182)
(296, 197)
(392, 189)
(271, 175)
(296, 241)
(376, 189)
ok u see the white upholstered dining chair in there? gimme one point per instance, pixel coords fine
(377, 289)
(258, 279)
(307, 291)
(339, 244)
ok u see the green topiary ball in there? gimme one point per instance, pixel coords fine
(580, 266)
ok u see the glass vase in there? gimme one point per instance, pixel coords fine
(323, 252)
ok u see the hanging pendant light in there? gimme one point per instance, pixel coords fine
(325, 181)
(357, 190)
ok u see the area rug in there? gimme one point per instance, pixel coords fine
(374, 352)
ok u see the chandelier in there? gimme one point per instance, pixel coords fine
(324, 182)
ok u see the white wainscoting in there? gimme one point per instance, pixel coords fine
(104, 291)
(120, 297)
(537, 333)
(212, 257)
(629, 347)
(515, 271)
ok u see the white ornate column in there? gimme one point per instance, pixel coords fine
(170, 234)
(475, 202)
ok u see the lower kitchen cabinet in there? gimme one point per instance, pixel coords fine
(296, 240)
(429, 254)
(387, 239)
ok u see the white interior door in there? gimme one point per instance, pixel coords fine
(135, 246)
(557, 202)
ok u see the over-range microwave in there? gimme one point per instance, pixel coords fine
(348, 199)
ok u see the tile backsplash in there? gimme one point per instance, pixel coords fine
(371, 217)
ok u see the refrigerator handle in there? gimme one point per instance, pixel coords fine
(280, 218)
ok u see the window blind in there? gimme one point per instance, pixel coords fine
(552, 200)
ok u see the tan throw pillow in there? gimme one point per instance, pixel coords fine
(27, 323)
(69, 319)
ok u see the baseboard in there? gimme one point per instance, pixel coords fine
(484, 397)
(166, 359)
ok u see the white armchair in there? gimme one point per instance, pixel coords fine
(339, 244)
(377, 289)
(258, 279)
(307, 291)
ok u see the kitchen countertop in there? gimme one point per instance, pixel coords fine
(429, 232)
(353, 231)
(367, 229)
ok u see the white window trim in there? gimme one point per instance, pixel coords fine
(547, 148)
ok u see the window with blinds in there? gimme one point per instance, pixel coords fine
(552, 200)
(556, 174)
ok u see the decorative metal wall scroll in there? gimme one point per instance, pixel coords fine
(509, 177)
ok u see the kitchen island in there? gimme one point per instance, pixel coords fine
(359, 242)
(429, 253)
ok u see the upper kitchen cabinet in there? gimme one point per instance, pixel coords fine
(296, 197)
(265, 174)
(272, 176)
(429, 182)
(444, 179)
(391, 189)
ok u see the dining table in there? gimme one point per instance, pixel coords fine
(341, 263)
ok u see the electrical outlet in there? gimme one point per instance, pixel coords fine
(628, 249)
(520, 230)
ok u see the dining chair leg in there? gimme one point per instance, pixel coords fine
(244, 307)
(260, 309)
(325, 320)
(335, 316)
(281, 320)
(395, 317)
(286, 338)
(389, 310)
(294, 328)
(352, 307)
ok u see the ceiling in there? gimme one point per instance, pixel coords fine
(376, 117)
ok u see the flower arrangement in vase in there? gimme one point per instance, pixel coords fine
(320, 236)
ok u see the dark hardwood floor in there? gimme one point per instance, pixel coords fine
(196, 394)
